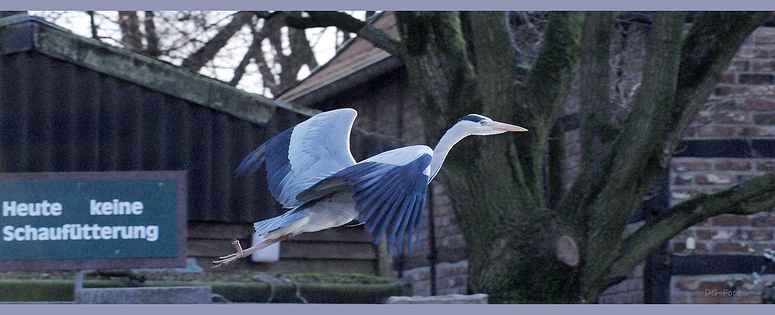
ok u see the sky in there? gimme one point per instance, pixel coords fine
(227, 59)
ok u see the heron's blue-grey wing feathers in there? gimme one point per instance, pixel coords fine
(389, 191)
(304, 154)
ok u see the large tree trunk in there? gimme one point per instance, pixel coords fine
(519, 234)
(495, 182)
(528, 240)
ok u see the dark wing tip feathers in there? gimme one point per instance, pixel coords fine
(393, 204)
(257, 158)
(252, 162)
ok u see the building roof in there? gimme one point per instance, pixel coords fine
(22, 32)
(354, 63)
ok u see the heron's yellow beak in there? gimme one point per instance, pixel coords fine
(505, 127)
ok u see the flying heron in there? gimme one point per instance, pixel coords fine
(310, 169)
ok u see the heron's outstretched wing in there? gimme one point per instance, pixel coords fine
(389, 191)
(304, 154)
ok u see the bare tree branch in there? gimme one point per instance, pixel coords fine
(345, 37)
(325, 19)
(631, 172)
(708, 48)
(253, 50)
(131, 37)
(595, 140)
(198, 59)
(301, 54)
(544, 90)
(750, 197)
(271, 28)
(152, 48)
(93, 25)
(346, 22)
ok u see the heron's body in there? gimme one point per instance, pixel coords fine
(310, 169)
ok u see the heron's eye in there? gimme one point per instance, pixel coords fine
(482, 122)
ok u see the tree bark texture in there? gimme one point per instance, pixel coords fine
(515, 217)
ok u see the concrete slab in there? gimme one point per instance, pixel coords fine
(480, 298)
(152, 295)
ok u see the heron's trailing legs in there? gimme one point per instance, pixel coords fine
(225, 260)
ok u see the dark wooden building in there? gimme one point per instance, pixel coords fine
(74, 104)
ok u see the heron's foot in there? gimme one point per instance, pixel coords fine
(225, 260)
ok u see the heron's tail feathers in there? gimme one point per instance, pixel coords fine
(269, 225)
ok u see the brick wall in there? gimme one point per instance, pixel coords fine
(451, 278)
(716, 289)
(742, 107)
(725, 234)
(448, 234)
(629, 291)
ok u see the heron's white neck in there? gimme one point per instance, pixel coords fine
(452, 136)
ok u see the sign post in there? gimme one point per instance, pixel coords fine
(92, 220)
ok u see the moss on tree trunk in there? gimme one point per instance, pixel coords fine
(505, 189)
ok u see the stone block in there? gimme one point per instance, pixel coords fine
(758, 131)
(730, 220)
(687, 285)
(763, 221)
(752, 52)
(756, 78)
(732, 90)
(716, 131)
(738, 65)
(760, 104)
(728, 77)
(683, 180)
(687, 165)
(439, 299)
(758, 234)
(716, 234)
(699, 247)
(731, 248)
(765, 166)
(764, 38)
(765, 119)
(763, 65)
(733, 165)
(715, 179)
(148, 295)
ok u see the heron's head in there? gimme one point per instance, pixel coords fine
(480, 125)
